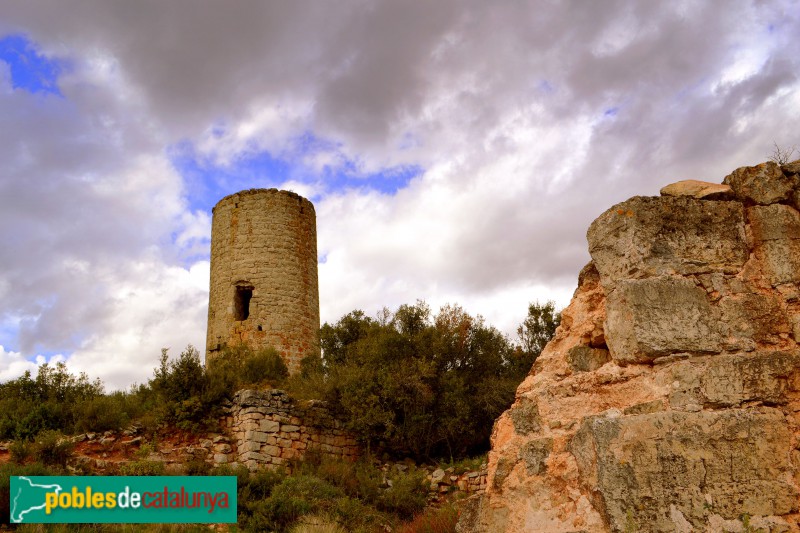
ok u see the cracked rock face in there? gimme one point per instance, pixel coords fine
(669, 398)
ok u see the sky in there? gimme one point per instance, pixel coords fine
(455, 151)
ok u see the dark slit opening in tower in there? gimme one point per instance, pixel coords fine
(241, 302)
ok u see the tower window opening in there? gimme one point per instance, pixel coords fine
(241, 302)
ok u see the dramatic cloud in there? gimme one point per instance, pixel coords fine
(455, 151)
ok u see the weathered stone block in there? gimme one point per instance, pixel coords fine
(698, 189)
(256, 436)
(655, 317)
(702, 464)
(250, 446)
(762, 184)
(644, 237)
(525, 416)
(535, 453)
(776, 231)
(750, 318)
(586, 359)
(732, 380)
(272, 451)
(270, 426)
(220, 458)
(252, 456)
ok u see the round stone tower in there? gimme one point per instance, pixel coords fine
(264, 289)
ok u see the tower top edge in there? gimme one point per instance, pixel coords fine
(263, 192)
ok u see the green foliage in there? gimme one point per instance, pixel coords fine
(102, 413)
(433, 520)
(323, 492)
(20, 451)
(190, 396)
(52, 448)
(535, 332)
(142, 467)
(414, 384)
(407, 495)
(30, 405)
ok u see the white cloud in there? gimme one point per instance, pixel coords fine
(153, 306)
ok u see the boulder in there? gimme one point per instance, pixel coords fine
(698, 189)
(762, 184)
(669, 397)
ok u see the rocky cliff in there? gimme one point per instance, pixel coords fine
(669, 399)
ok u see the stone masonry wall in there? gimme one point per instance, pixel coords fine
(264, 247)
(269, 428)
(669, 398)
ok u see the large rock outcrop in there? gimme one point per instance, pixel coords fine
(669, 399)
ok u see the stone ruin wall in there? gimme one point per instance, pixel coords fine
(669, 398)
(269, 428)
(264, 266)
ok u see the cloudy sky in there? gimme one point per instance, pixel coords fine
(455, 151)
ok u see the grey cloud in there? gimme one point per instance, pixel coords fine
(451, 74)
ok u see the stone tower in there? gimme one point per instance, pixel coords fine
(264, 289)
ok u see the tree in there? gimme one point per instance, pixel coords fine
(537, 330)
(416, 384)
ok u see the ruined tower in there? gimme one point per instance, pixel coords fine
(264, 289)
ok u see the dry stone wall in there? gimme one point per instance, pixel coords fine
(669, 399)
(264, 289)
(269, 428)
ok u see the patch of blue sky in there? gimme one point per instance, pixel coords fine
(30, 70)
(545, 87)
(207, 181)
(611, 112)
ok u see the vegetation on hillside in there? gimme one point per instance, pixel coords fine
(182, 393)
(410, 383)
(342, 496)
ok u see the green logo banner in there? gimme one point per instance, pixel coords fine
(123, 499)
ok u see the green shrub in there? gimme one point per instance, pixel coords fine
(442, 520)
(418, 385)
(356, 517)
(20, 451)
(407, 496)
(264, 366)
(290, 499)
(52, 448)
(102, 413)
(318, 524)
(197, 467)
(142, 468)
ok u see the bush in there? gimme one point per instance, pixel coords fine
(197, 467)
(102, 413)
(317, 524)
(142, 468)
(442, 520)
(190, 396)
(52, 448)
(420, 386)
(20, 451)
(407, 496)
(264, 367)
